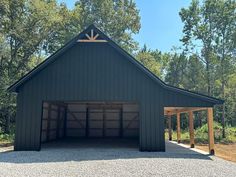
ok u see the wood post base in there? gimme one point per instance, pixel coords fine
(212, 152)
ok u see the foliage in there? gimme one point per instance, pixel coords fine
(201, 134)
(119, 19)
(230, 135)
(176, 70)
(155, 61)
(6, 138)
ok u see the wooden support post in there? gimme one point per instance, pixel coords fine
(178, 128)
(65, 122)
(210, 130)
(58, 120)
(191, 129)
(169, 128)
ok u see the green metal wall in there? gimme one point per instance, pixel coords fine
(96, 72)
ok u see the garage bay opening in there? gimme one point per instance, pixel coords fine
(91, 123)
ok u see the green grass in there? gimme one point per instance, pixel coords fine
(201, 135)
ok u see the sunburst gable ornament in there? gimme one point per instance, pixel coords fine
(92, 38)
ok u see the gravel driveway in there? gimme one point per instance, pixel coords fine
(94, 161)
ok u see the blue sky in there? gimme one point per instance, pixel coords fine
(161, 26)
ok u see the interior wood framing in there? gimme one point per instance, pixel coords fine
(89, 120)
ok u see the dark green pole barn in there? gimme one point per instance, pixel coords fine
(94, 83)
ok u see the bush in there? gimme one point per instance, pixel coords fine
(7, 138)
(230, 135)
(201, 134)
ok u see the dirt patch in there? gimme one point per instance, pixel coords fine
(5, 145)
(225, 151)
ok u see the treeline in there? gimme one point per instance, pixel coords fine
(31, 30)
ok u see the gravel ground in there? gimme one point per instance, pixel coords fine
(109, 161)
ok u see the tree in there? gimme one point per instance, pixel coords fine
(224, 17)
(176, 70)
(213, 23)
(154, 60)
(230, 93)
(198, 29)
(117, 18)
(194, 75)
(25, 27)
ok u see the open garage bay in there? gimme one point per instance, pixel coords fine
(89, 120)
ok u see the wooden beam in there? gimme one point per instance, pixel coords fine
(104, 123)
(75, 118)
(121, 123)
(131, 121)
(191, 129)
(91, 40)
(173, 111)
(58, 120)
(87, 122)
(178, 128)
(95, 37)
(169, 127)
(210, 130)
(65, 122)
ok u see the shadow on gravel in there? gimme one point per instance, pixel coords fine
(95, 150)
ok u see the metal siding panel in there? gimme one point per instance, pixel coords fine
(26, 115)
(144, 127)
(37, 110)
(23, 122)
(31, 120)
(162, 129)
(111, 76)
(88, 66)
(154, 126)
(80, 56)
(73, 74)
(95, 71)
(56, 80)
(18, 133)
(148, 116)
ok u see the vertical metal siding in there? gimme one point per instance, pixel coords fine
(95, 72)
